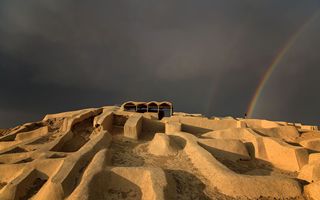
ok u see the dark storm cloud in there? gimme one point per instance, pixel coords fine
(205, 56)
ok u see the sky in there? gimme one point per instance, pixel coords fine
(205, 56)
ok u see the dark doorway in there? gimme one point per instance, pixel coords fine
(142, 108)
(129, 107)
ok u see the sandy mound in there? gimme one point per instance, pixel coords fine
(109, 153)
(230, 149)
(287, 133)
(161, 145)
(311, 144)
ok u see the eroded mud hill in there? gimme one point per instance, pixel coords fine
(108, 153)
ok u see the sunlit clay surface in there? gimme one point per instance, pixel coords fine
(123, 153)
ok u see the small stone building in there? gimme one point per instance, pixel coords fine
(163, 108)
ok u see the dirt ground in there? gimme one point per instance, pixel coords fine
(189, 183)
(181, 175)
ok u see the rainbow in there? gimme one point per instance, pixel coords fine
(277, 59)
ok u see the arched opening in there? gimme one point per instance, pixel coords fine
(153, 107)
(129, 106)
(142, 108)
(165, 109)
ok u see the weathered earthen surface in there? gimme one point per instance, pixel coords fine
(286, 133)
(172, 127)
(230, 149)
(110, 153)
(310, 172)
(269, 149)
(314, 157)
(133, 126)
(311, 144)
(162, 145)
(312, 191)
(228, 182)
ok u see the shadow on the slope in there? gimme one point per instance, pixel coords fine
(194, 130)
(184, 185)
(123, 153)
(109, 185)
